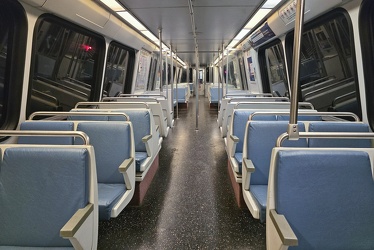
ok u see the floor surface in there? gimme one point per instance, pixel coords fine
(190, 203)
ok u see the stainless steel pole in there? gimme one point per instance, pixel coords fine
(197, 88)
(160, 68)
(293, 129)
(172, 77)
(227, 71)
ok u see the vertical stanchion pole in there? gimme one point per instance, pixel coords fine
(176, 95)
(227, 71)
(160, 68)
(172, 77)
(197, 88)
(166, 73)
(293, 130)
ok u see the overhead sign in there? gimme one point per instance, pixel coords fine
(261, 35)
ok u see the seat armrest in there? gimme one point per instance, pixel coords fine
(234, 138)
(284, 229)
(123, 168)
(231, 145)
(125, 165)
(247, 170)
(249, 165)
(146, 138)
(76, 221)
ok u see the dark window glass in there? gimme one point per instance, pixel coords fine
(66, 66)
(276, 70)
(327, 71)
(13, 33)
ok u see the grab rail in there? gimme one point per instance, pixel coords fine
(84, 136)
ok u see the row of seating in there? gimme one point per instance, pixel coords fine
(292, 186)
(321, 198)
(115, 154)
(259, 140)
(121, 160)
(48, 194)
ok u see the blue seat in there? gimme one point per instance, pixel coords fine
(147, 141)
(214, 91)
(100, 117)
(181, 94)
(141, 120)
(47, 126)
(338, 127)
(114, 149)
(321, 199)
(235, 143)
(260, 139)
(44, 191)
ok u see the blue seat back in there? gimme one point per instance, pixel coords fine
(261, 139)
(180, 93)
(93, 117)
(112, 143)
(214, 94)
(40, 190)
(300, 118)
(327, 197)
(339, 127)
(47, 126)
(141, 122)
(239, 122)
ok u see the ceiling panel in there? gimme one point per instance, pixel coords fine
(217, 22)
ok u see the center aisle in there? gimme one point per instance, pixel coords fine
(190, 203)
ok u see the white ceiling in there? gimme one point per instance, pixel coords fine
(217, 22)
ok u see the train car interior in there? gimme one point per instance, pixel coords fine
(186, 124)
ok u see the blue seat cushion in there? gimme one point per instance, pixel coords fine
(40, 190)
(261, 139)
(47, 126)
(327, 197)
(239, 158)
(338, 127)
(112, 143)
(260, 192)
(109, 194)
(139, 158)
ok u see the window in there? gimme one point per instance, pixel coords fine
(118, 73)
(327, 69)
(66, 66)
(13, 34)
(273, 69)
(366, 24)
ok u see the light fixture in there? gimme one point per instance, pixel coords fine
(260, 14)
(113, 4)
(149, 35)
(131, 20)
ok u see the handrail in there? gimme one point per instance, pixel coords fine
(320, 80)
(307, 104)
(247, 98)
(84, 136)
(328, 87)
(108, 99)
(250, 94)
(345, 97)
(106, 103)
(345, 114)
(75, 113)
(145, 95)
(333, 135)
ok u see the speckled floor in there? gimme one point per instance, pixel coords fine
(190, 203)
